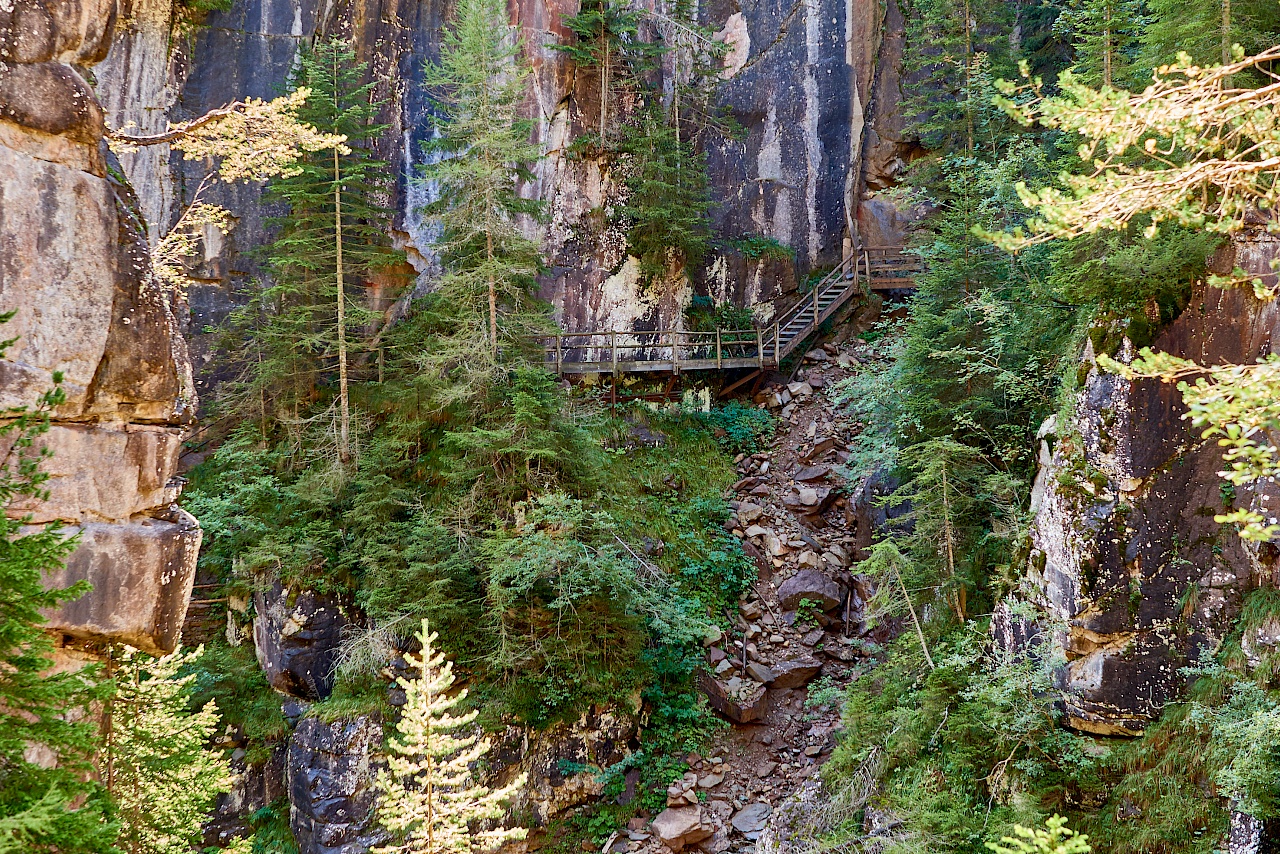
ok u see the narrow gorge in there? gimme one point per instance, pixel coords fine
(785, 461)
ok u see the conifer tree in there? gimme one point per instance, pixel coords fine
(332, 237)
(431, 800)
(1205, 30)
(484, 152)
(1102, 34)
(605, 37)
(665, 209)
(46, 741)
(155, 761)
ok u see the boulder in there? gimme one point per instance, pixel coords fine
(811, 473)
(330, 778)
(812, 585)
(680, 827)
(739, 703)
(794, 673)
(141, 573)
(297, 634)
(752, 818)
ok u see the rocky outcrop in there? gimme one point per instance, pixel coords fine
(74, 265)
(1125, 552)
(296, 634)
(330, 778)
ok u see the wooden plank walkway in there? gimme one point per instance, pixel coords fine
(879, 268)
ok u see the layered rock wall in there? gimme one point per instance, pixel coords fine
(798, 79)
(74, 266)
(1127, 560)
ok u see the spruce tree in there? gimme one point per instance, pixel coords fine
(431, 800)
(1102, 35)
(46, 740)
(1205, 30)
(332, 239)
(666, 204)
(155, 760)
(606, 38)
(484, 153)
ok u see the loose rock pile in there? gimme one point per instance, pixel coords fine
(801, 622)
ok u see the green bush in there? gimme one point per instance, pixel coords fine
(740, 428)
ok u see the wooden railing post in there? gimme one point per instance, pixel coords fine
(718, 359)
(613, 353)
(760, 347)
(777, 356)
(675, 357)
(559, 355)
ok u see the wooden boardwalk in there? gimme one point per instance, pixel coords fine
(879, 268)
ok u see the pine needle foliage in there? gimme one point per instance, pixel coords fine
(606, 38)
(40, 711)
(667, 200)
(432, 801)
(479, 157)
(298, 352)
(156, 763)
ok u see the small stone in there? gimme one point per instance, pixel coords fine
(808, 496)
(765, 768)
(750, 610)
(817, 356)
(758, 531)
(760, 672)
(748, 513)
(723, 666)
(713, 636)
(813, 750)
(715, 655)
(752, 818)
(710, 781)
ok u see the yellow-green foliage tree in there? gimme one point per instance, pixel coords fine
(155, 759)
(1201, 148)
(431, 800)
(1056, 838)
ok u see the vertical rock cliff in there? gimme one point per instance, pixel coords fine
(74, 265)
(798, 78)
(1136, 576)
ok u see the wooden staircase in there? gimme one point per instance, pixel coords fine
(879, 268)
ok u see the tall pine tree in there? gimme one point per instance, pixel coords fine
(431, 800)
(482, 154)
(155, 760)
(333, 238)
(46, 740)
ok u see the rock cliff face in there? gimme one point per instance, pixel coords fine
(799, 79)
(1126, 558)
(74, 264)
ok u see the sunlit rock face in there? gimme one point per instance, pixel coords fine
(74, 265)
(1126, 560)
(799, 80)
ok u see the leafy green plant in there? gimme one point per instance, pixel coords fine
(758, 247)
(746, 429)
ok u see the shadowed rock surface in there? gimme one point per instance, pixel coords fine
(1125, 549)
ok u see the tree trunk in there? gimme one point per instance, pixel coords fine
(344, 403)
